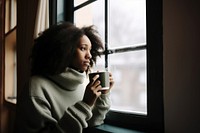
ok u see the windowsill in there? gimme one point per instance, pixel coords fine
(12, 100)
(105, 128)
(10, 103)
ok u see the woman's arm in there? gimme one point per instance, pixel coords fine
(100, 110)
(34, 115)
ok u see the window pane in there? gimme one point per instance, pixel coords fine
(129, 92)
(10, 51)
(100, 64)
(78, 2)
(10, 15)
(60, 10)
(127, 22)
(92, 14)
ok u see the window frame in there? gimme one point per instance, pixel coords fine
(10, 26)
(154, 120)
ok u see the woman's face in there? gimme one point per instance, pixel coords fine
(82, 56)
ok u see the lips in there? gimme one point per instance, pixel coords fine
(86, 63)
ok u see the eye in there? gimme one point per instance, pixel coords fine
(82, 48)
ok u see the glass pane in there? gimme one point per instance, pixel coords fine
(78, 2)
(60, 10)
(92, 14)
(130, 90)
(10, 15)
(10, 67)
(100, 64)
(127, 22)
(10, 51)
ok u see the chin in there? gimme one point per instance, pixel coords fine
(85, 69)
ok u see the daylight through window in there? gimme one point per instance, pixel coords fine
(122, 25)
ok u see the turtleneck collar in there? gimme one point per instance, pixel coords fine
(69, 79)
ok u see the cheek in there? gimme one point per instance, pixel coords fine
(77, 60)
(80, 55)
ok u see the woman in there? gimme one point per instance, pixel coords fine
(56, 99)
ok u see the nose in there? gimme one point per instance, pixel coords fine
(89, 55)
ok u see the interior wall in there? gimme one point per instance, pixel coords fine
(181, 34)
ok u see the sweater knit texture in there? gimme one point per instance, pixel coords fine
(54, 104)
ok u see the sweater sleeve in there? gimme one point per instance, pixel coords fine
(100, 110)
(73, 120)
(77, 116)
(38, 118)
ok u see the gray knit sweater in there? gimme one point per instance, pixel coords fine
(54, 104)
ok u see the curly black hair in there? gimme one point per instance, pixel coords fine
(54, 49)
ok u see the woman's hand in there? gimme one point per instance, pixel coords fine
(92, 91)
(111, 84)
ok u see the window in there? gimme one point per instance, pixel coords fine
(10, 50)
(132, 33)
(37, 21)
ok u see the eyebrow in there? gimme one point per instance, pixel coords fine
(84, 44)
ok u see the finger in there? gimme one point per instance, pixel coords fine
(97, 86)
(98, 89)
(97, 83)
(111, 80)
(94, 85)
(110, 74)
(95, 77)
(110, 77)
(93, 80)
(98, 93)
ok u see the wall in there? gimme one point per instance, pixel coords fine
(181, 65)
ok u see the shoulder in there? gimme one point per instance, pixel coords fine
(35, 88)
(38, 85)
(37, 80)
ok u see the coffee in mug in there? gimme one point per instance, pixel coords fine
(103, 78)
